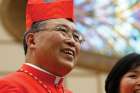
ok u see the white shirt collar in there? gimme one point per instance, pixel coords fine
(58, 78)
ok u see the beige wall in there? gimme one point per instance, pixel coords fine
(86, 81)
(11, 53)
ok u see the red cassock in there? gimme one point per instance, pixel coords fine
(29, 79)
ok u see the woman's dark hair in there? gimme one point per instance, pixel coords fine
(126, 63)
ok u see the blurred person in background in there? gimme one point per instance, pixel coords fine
(52, 46)
(125, 75)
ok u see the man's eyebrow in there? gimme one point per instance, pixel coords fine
(73, 29)
(63, 25)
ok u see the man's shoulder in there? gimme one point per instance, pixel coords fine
(17, 78)
(6, 81)
(11, 77)
(8, 85)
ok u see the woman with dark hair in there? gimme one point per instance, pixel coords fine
(125, 75)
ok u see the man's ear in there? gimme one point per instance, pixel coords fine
(30, 40)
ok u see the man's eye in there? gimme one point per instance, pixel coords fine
(76, 36)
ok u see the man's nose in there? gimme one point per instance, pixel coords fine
(70, 40)
(70, 36)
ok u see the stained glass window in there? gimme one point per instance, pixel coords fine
(110, 27)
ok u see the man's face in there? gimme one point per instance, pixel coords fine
(56, 48)
(130, 82)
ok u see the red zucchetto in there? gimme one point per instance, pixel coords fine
(39, 10)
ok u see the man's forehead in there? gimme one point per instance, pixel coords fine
(61, 21)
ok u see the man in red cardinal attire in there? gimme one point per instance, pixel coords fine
(52, 46)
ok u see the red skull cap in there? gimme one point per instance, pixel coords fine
(39, 10)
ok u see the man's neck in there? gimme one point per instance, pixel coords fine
(37, 67)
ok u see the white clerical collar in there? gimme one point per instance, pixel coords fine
(58, 78)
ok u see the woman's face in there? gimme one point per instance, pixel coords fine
(130, 82)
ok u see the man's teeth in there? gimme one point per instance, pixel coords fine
(68, 52)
